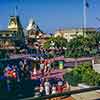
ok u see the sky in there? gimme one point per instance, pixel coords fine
(50, 15)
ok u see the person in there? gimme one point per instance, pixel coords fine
(42, 80)
(36, 92)
(25, 62)
(47, 87)
(60, 86)
(53, 89)
(21, 73)
(42, 68)
(34, 73)
(21, 63)
(46, 67)
(48, 64)
(49, 67)
(41, 90)
(66, 87)
(15, 74)
(10, 76)
(26, 72)
(10, 72)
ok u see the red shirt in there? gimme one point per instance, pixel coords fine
(59, 89)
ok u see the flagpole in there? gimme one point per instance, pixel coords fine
(16, 8)
(15, 11)
(84, 16)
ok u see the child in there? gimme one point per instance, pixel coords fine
(53, 89)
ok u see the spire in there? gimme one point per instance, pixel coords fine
(16, 10)
(31, 25)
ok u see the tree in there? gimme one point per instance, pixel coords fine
(58, 43)
(80, 46)
(96, 36)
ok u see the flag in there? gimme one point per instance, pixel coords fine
(87, 4)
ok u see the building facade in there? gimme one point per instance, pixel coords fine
(35, 36)
(14, 36)
(72, 32)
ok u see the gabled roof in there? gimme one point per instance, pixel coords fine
(14, 23)
(34, 30)
(76, 29)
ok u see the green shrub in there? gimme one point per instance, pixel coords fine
(83, 74)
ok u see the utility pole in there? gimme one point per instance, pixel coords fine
(85, 7)
(84, 16)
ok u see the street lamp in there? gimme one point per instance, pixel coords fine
(52, 47)
(52, 44)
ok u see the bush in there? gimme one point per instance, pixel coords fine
(83, 74)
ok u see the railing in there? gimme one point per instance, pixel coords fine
(64, 94)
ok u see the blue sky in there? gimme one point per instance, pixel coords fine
(50, 15)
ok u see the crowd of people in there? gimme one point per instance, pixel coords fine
(18, 77)
(51, 86)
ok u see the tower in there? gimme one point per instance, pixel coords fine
(14, 25)
(31, 25)
(33, 30)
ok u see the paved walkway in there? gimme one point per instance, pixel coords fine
(70, 98)
(58, 98)
(87, 96)
(92, 95)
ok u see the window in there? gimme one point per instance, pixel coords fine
(7, 35)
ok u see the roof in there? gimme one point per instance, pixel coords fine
(14, 23)
(76, 29)
(6, 31)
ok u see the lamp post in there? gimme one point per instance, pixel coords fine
(52, 44)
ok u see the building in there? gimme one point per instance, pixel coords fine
(13, 37)
(34, 34)
(72, 32)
